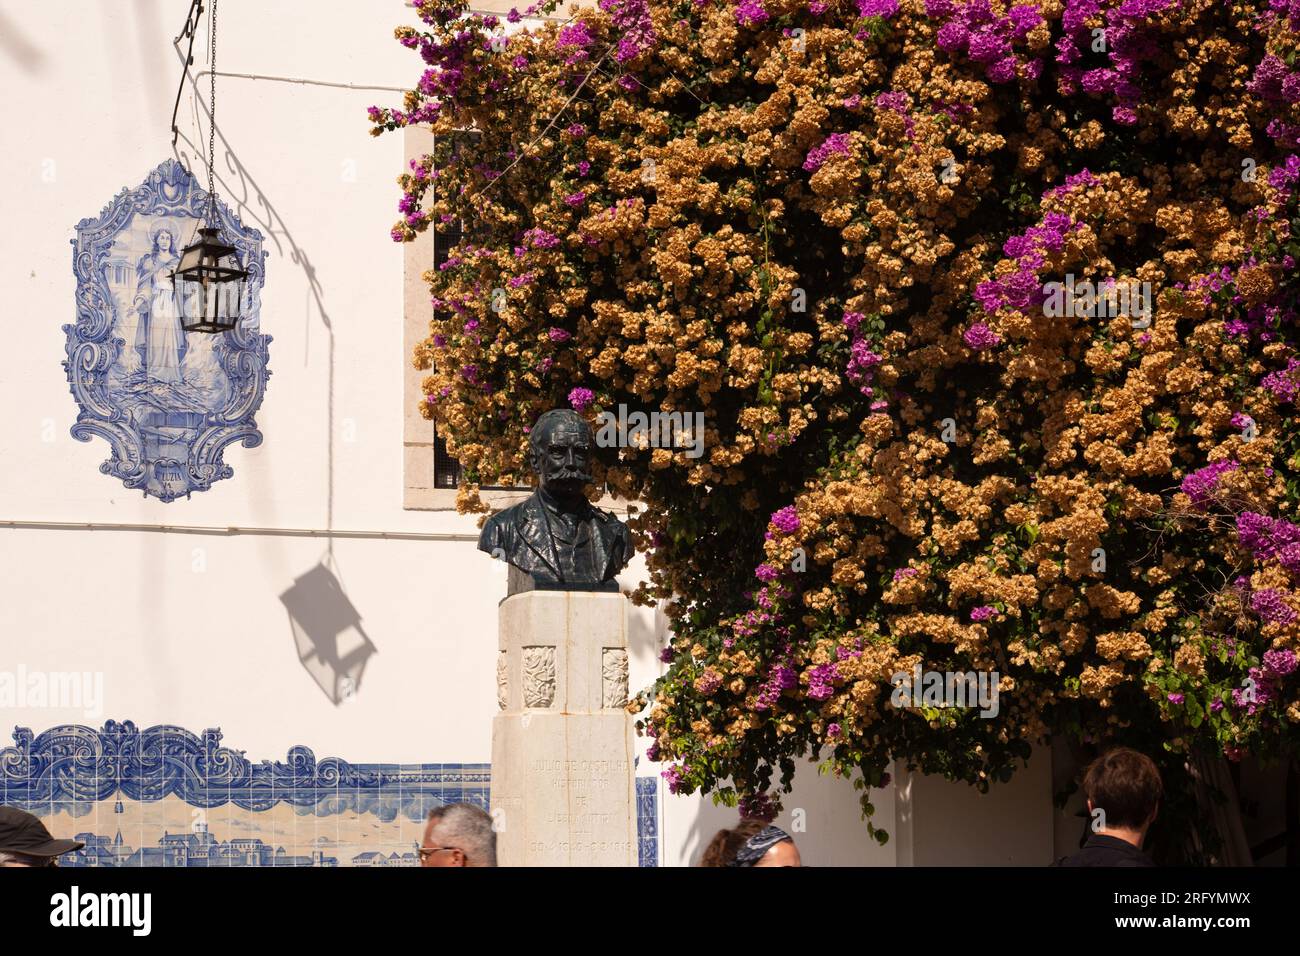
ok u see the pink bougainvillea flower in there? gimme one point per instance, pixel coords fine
(980, 337)
(581, 398)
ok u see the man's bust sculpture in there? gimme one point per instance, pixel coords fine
(556, 537)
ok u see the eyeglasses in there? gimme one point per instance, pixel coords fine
(428, 851)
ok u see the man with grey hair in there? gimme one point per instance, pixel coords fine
(459, 834)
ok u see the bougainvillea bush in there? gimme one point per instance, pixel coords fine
(841, 230)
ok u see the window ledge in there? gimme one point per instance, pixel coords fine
(444, 499)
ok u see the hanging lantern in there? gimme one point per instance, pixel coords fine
(209, 284)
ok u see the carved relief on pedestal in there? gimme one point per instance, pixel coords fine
(502, 682)
(613, 670)
(539, 676)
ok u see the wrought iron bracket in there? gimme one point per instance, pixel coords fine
(189, 30)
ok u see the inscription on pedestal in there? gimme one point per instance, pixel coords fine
(581, 822)
(564, 847)
(580, 776)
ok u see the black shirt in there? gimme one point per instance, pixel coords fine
(1103, 850)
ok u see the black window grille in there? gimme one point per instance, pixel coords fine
(446, 470)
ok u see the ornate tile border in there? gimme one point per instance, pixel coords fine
(70, 768)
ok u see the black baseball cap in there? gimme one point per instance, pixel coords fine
(21, 832)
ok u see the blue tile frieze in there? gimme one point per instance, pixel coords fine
(87, 773)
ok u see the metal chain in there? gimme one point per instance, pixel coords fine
(212, 111)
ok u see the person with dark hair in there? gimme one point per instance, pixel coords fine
(751, 843)
(459, 834)
(1123, 790)
(24, 841)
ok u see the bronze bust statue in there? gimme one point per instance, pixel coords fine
(556, 537)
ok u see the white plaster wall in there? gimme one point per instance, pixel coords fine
(941, 823)
(821, 814)
(189, 629)
(87, 112)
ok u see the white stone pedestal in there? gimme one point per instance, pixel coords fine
(563, 779)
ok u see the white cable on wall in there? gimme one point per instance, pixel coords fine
(233, 530)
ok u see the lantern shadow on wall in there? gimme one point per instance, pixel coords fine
(332, 645)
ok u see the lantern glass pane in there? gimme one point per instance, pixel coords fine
(189, 259)
(234, 290)
(210, 295)
(186, 304)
